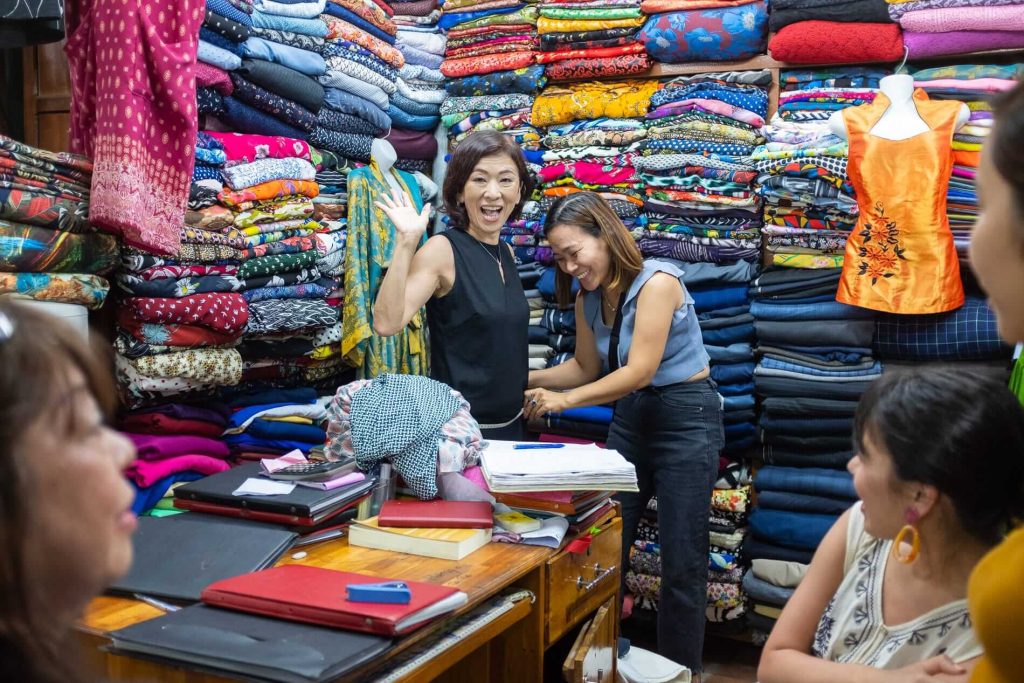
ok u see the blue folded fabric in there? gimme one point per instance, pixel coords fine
(419, 57)
(801, 502)
(807, 426)
(559, 322)
(209, 53)
(216, 39)
(756, 549)
(411, 106)
(347, 103)
(968, 333)
(725, 336)
(300, 395)
(813, 481)
(727, 390)
(793, 366)
(595, 414)
(719, 297)
(357, 21)
(737, 401)
(450, 19)
(734, 353)
(764, 592)
(240, 416)
(826, 310)
(842, 354)
(272, 429)
(401, 119)
(241, 442)
(546, 284)
(303, 61)
(801, 530)
(226, 9)
(307, 27)
(245, 119)
(146, 498)
(739, 430)
(733, 373)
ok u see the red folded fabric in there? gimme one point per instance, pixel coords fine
(580, 69)
(221, 312)
(172, 334)
(590, 53)
(830, 42)
(472, 66)
(158, 423)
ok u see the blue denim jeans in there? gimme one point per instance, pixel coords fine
(673, 436)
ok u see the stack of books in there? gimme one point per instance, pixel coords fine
(448, 530)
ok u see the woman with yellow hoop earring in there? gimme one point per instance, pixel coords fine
(938, 470)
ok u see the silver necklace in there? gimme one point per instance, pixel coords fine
(495, 258)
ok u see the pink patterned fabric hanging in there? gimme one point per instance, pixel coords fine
(133, 112)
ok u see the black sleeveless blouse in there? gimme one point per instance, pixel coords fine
(478, 331)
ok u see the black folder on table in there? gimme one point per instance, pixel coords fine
(258, 648)
(177, 557)
(303, 502)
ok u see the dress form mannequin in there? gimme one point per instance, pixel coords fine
(901, 120)
(385, 156)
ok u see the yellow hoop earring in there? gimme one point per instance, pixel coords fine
(915, 544)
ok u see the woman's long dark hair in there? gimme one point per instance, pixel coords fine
(592, 214)
(35, 355)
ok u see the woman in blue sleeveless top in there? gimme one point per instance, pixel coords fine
(638, 343)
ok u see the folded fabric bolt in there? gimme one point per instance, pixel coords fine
(281, 80)
(146, 473)
(836, 42)
(300, 10)
(158, 447)
(218, 57)
(303, 61)
(245, 118)
(264, 170)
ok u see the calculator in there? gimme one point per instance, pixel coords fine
(322, 470)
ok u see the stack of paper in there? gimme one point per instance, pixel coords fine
(567, 467)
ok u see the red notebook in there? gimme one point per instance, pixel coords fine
(447, 514)
(317, 596)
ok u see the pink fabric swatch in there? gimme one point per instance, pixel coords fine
(145, 473)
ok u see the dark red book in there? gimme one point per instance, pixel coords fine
(428, 514)
(317, 596)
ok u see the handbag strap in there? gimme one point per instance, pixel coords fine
(613, 342)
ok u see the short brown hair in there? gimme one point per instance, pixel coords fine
(592, 214)
(35, 355)
(476, 146)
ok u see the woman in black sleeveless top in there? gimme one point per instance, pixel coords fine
(476, 310)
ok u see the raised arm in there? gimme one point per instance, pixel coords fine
(414, 275)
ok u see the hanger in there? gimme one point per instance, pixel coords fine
(903, 62)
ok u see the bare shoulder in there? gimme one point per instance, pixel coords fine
(661, 287)
(437, 258)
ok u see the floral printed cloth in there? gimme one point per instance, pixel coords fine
(707, 34)
(68, 288)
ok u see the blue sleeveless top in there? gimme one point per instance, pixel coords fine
(684, 354)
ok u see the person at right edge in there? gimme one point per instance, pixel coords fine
(995, 591)
(641, 347)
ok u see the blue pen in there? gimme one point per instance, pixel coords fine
(526, 446)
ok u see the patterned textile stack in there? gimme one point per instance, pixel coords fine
(491, 49)
(975, 85)
(702, 210)
(936, 28)
(420, 82)
(50, 253)
(583, 39)
(509, 114)
(704, 30)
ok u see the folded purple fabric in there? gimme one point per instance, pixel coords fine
(158, 447)
(216, 413)
(920, 45)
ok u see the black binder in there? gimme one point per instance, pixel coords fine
(177, 557)
(302, 502)
(238, 644)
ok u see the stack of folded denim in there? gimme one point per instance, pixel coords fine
(969, 333)
(769, 585)
(796, 506)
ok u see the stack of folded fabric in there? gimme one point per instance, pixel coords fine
(50, 253)
(704, 30)
(795, 509)
(936, 28)
(175, 443)
(583, 39)
(975, 85)
(730, 502)
(827, 40)
(809, 204)
(420, 82)
(491, 49)
(769, 585)
(509, 114)
(273, 422)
